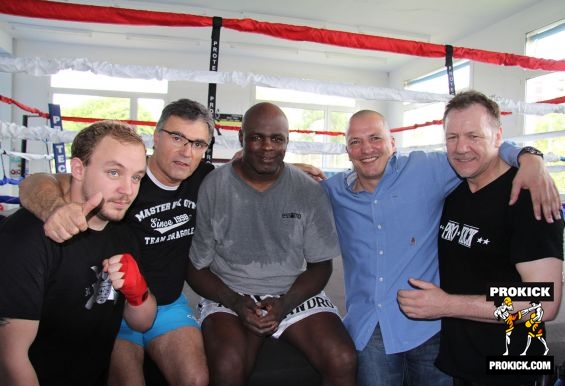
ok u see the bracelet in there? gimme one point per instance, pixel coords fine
(530, 150)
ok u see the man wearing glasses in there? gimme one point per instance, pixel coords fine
(163, 218)
(180, 141)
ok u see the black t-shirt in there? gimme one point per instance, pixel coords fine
(164, 221)
(481, 239)
(62, 286)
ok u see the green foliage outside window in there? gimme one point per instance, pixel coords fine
(548, 123)
(104, 108)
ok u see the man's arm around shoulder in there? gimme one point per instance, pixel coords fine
(46, 196)
(43, 193)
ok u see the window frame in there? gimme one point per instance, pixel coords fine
(328, 162)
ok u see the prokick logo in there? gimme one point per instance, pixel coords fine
(504, 295)
(533, 325)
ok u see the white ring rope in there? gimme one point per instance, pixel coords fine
(9, 131)
(27, 156)
(42, 67)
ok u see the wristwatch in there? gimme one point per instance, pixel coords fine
(531, 150)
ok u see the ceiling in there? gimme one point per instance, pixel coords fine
(433, 21)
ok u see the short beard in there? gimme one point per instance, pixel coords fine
(105, 216)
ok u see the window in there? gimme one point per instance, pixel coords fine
(418, 113)
(313, 112)
(548, 43)
(83, 94)
(87, 95)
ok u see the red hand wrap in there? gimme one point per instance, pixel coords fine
(134, 288)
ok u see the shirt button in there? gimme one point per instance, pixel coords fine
(379, 226)
(381, 252)
(376, 202)
(379, 305)
(381, 279)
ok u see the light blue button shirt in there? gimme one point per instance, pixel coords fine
(389, 236)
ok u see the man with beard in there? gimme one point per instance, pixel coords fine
(59, 311)
(163, 220)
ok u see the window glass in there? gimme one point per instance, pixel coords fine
(89, 81)
(314, 112)
(419, 113)
(304, 119)
(87, 95)
(148, 109)
(436, 82)
(285, 95)
(426, 135)
(89, 106)
(547, 43)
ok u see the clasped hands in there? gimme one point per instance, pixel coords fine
(260, 317)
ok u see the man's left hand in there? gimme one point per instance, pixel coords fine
(534, 176)
(427, 301)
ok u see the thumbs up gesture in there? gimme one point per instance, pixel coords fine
(70, 219)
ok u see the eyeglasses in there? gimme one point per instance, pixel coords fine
(179, 141)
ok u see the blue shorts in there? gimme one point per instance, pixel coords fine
(169, 317)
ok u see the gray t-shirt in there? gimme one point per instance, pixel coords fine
(259, 242)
